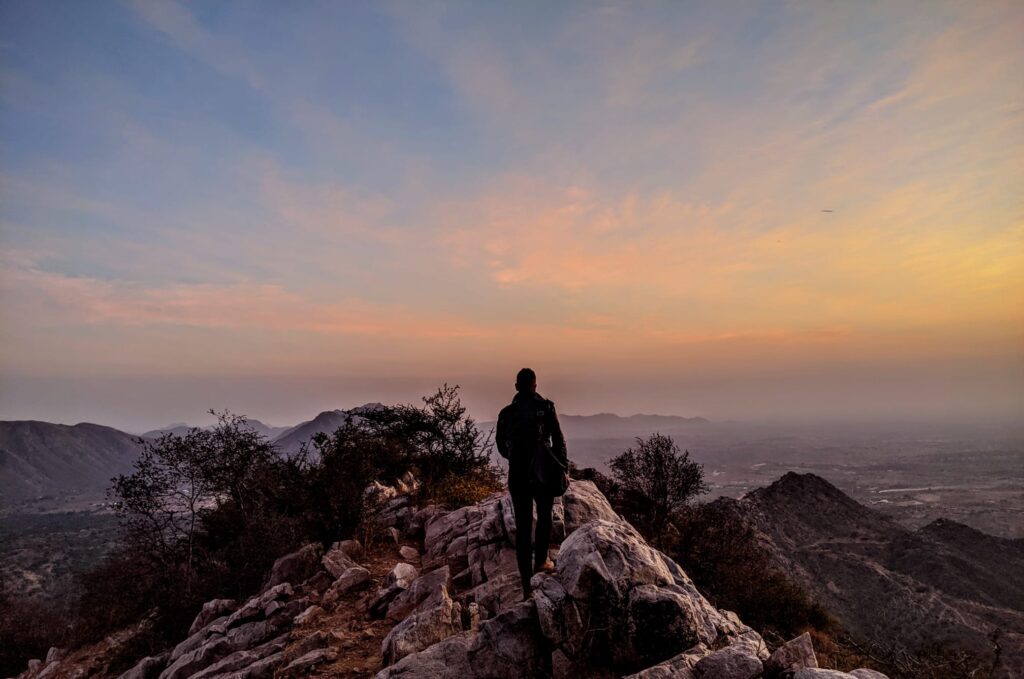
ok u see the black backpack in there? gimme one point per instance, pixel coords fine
(531, 448)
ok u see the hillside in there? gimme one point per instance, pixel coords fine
(290, 440)
(443, 600)
(40, 458)
(945, 584)
(181, 428)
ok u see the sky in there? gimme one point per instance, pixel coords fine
(745, 210)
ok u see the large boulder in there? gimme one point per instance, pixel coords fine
(396, 581)
(734, 662)
(614, 605)
(295, 567)
(210, 611)
(793, 655)
(336, 561)
(435, 618)
(352, 580)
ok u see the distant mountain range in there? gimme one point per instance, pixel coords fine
(181, 428)
(39, 459)
(944, 584)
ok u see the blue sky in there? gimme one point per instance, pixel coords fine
(403, 193)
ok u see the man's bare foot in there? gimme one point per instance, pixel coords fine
(546, 567)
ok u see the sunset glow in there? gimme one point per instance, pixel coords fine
(721, 209)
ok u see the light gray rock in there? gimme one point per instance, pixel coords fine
(429, 586)
(352, 580)
(583, 503)
(793, 655)
(295, 567)
(147, 668)
(436, 618)
(514, 634)
(240, 660)
(308, 615)
(447, 659)
(261, 669)
(301, 665)
(409, 553)
(810, 673)
(616, 595)
(677, 667)
(53, 655)
(211, 610)
(733, 662)
(198, 659)
(865, 673)
(336, 561)
(397, 580)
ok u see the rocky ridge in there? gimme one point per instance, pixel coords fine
(452, 607)
(945, 585)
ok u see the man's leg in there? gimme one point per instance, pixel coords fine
(544, 504)
(522, 507)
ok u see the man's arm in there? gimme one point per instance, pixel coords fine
(501, 435)
(557, 439)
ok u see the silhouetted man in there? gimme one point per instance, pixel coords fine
(530, 438)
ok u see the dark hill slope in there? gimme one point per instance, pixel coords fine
(945, 584)
(291, 440)
(40, 458)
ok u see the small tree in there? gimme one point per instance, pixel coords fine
(656, 481)
(180, 479)
(439, 440)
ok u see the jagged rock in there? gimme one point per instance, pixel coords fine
(813, 673)
(301, 665)
(793, 655)
(53, 655)
(446, 659)
(239, 631)
(614, 604)
(198, 659)
(295, 567)
(409, 553)
(615, 600)
(210, 611)
(308, 615)
(318, 584)
(676, 667)
(417, 523)
(34, 665)
(241, 660)
(506, 647)
(399, 579)
(865, 673)
(336, 561)
(733, 662)
(351, 548)
(147, 668)
(261, 669)
(430, 585)
(379, 492)
(436, 617)
(584, 503)
(351, 580)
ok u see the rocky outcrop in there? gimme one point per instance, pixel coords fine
(614, 606)
(898, 591)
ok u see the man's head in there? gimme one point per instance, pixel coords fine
(526, 381)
